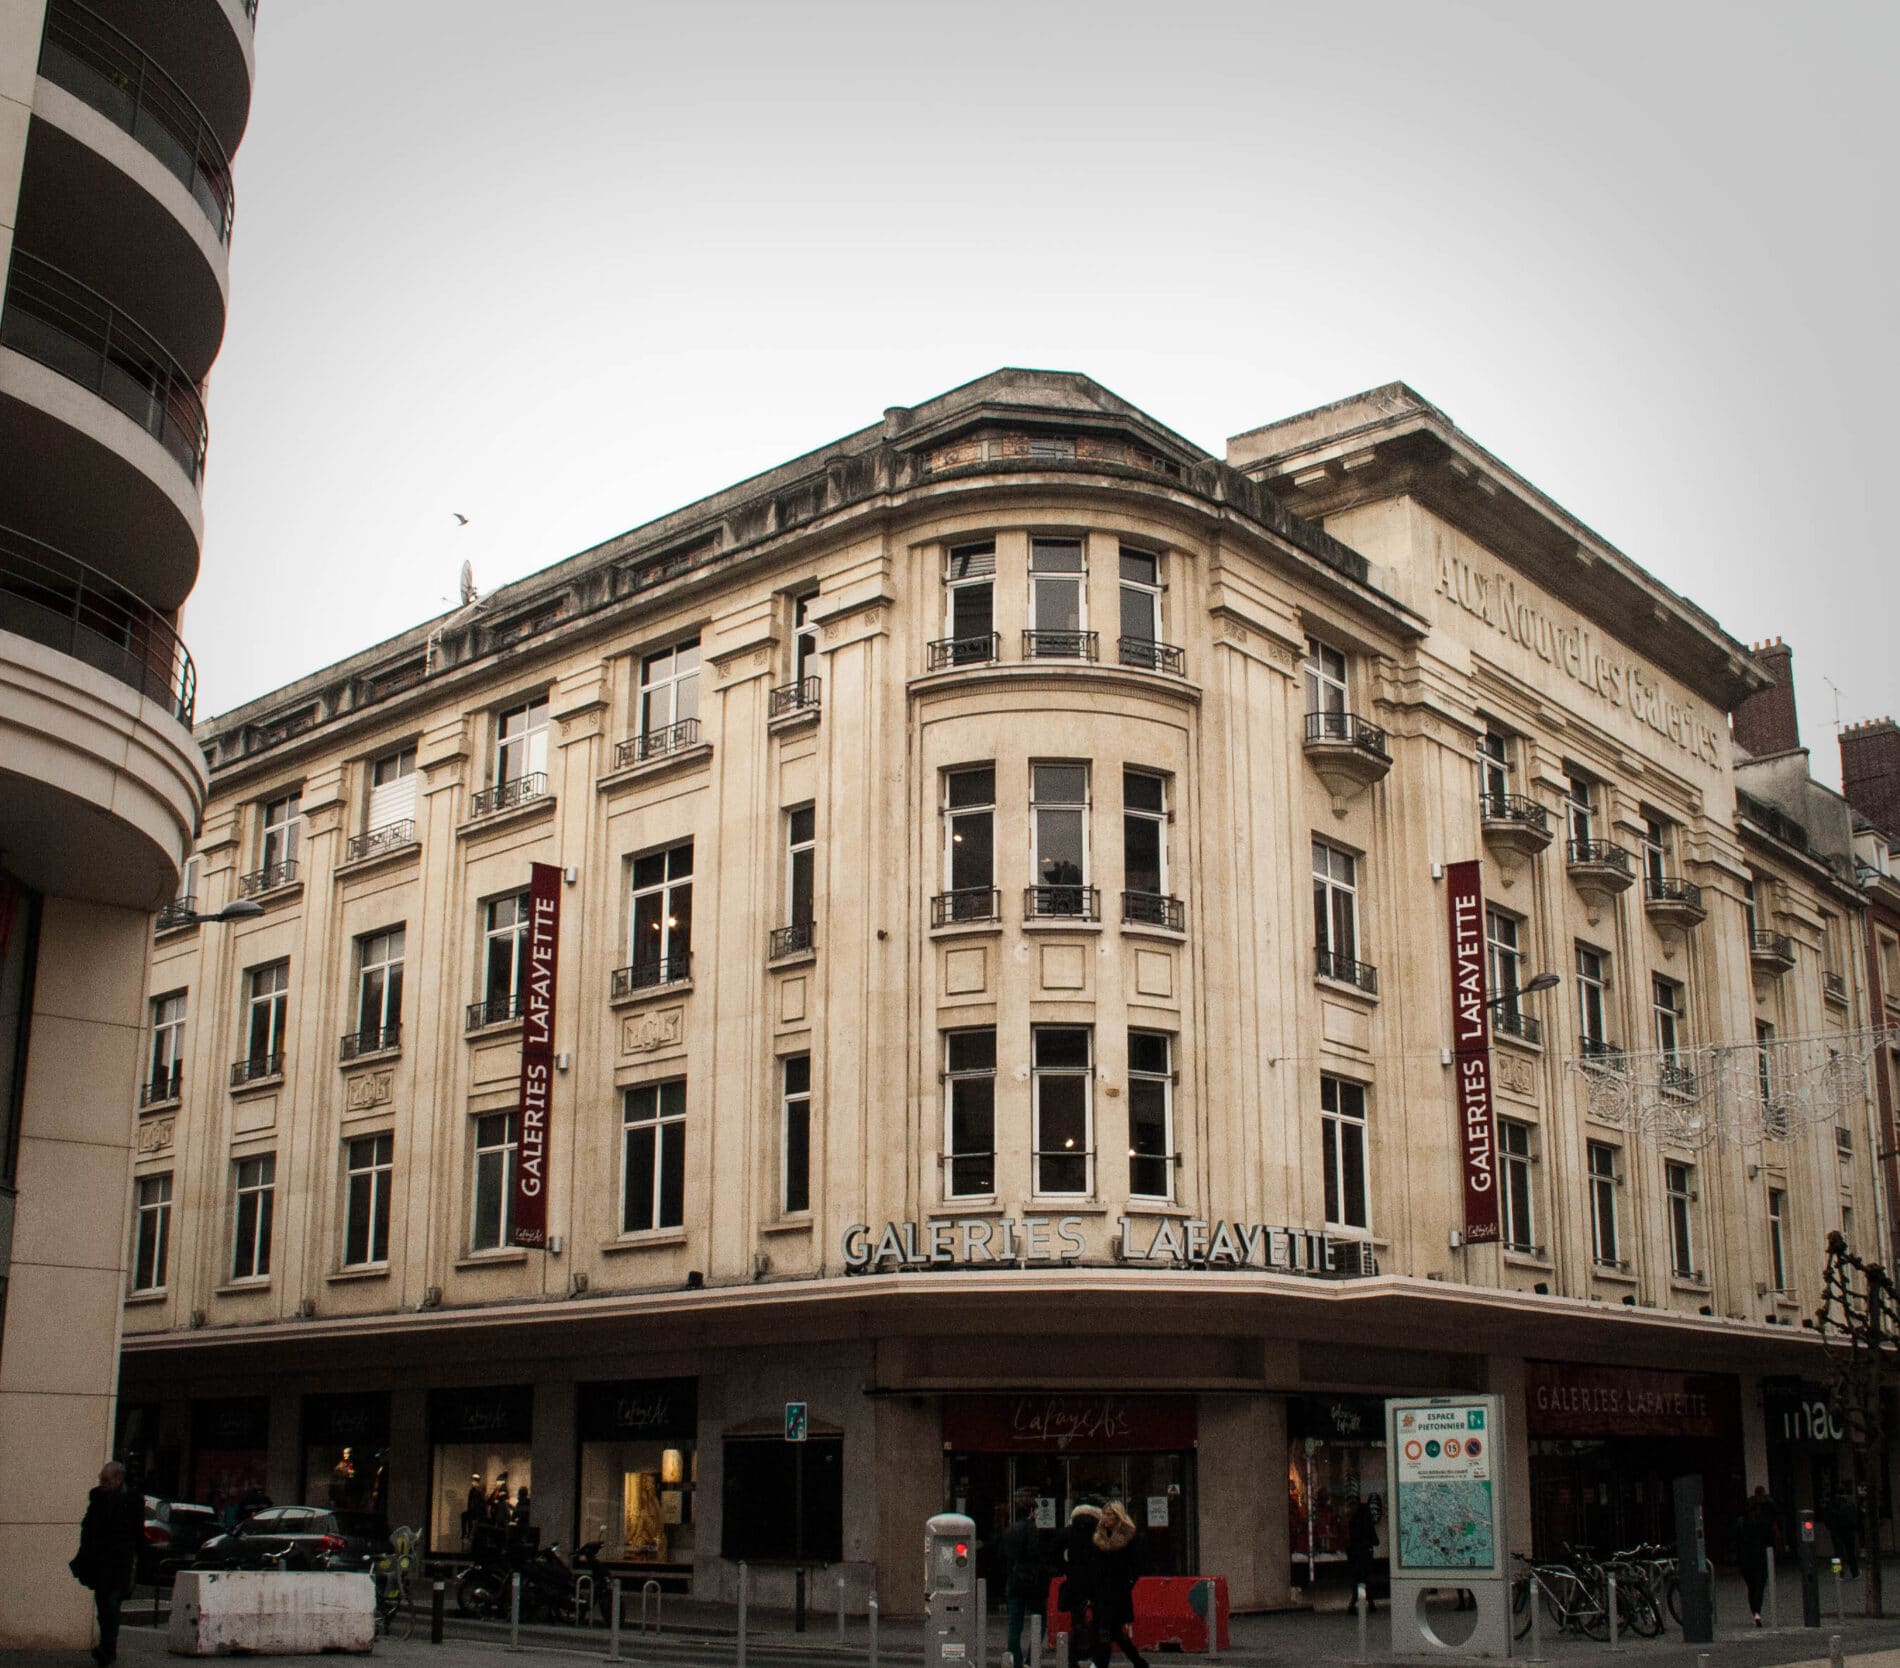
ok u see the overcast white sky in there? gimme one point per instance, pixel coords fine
(567, 266)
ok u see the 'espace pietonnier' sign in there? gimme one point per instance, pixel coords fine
(974, 1241)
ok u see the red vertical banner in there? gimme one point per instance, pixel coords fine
(1471, 1051)
(537, 1055)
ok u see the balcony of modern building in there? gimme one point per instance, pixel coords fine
(1513, 824)
(206, 46)
(1670, 901)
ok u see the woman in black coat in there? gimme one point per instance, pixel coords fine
(1117, 1569)
(1080, 1567)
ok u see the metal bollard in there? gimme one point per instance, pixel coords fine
(1359, 1596)
(982, 1629)
(745, 1577)
(841, 1608)
(798, 1599)
(1537, 1623)
(1840, 1596)
(438, 1594)
(650, 1589)
(870, 1629)
(1612, 1603)
(1035, 1639)
(1834, 1657)
(514, 1611)
(1774, 1598)
(613, 1619)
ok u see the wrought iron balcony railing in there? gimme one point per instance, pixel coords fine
(1677, 1079)
(651, 974)
(1671, 889)
(65, 604)
(1604, 1056)
(965, 651)
(657, 744)
(790, 941)
(372, 1039)
(493, 1010)
(966, 903)
(1073, 903)
(1514, 1022)
(392, 836)
(1348, 727)
(257, 1069)
(1598, 854)
(162, 1086)
(1834, 986)
(268, 878)
(1771, 946)
(801, 696)
(71, 328)
(1330, 964)
(1154, 909)
(83, 53)
(1151, 656)
(505, 796)
(1059, 645)
(1515, 808)
(180, 912)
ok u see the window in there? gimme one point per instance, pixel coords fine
(255, 1187)
(1325, 677)
(653, 1172)
(669, 688)
(1494, 769)
(1514, 1157)
(969, 1065)
(1593, 976)
(1749, 912)
(1145, 833)
(1058, 821)
(1847, 1225)
(662, 947)
(277, 853)
(1061, 1077)
(1777, 1239)
(804, 635)
(392, 790)
(165, 1068)
(491, 1222)
(369, 1165)
(1765, 1064)
(1655, 847)
(969, 579)
(969, 844)
(521, 742)
(801, 839)
(1603, 1241)
(1679, 1189)
(1150, 1115)
(266, 1018)
(1666, 1004)
(504, 956)
(1342, 1126)
(188, 883)
(795, 1136)
(1141, 599)
(379, 989)
(151, 1233)
(1504, 962)
(1580, 807)
(1057, 611)
(1335, 910)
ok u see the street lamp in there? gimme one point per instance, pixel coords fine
(1542, 982)
(239, 909)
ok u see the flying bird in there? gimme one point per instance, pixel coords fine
(459, 517)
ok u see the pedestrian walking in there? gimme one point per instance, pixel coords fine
(1080, 1566)
(1757, 1533)
(1362, 1545)
(1020, 1548)
(1118, 1568)
(109, 1537)
(1842, 1518)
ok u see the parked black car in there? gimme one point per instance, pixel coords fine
(174, 1530)
(298, 1538)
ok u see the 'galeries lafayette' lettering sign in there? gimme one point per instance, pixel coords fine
(1494, 599)
(1566, 1398)
(1471, 1050)
(975, 1240)
(537, 1055)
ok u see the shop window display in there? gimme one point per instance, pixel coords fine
(640, 1469)
(346, 1452)
(1336, 1457)
(482, 1463)
(230, 1440)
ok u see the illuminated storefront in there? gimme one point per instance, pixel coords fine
(639, 1469)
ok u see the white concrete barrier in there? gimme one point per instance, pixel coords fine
(272, 1612)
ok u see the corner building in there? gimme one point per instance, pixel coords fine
(1003, 1004)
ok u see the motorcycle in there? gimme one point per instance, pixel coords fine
(548, 1586)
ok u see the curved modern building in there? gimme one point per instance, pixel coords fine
(982, 931)
(117, 128)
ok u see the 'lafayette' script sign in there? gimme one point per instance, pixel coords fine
(972, 1240)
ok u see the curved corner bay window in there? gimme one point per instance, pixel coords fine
(662, 930)
(1145, 833)
(969, 843)
(1150, 1115)
(1140, 595)
(969, 1113)
(1062, 1077)
(1056, 608)
(653, 1177)
(969, 579)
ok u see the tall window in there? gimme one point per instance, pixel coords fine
(795, 1135)
(662, 946)
(1141, 600)
(1514, 1159)
(1580, 807)
(1666, 1005)
(969, 842)
(491, 1217)
(1145, 833)
(1150, 1115)
(255, 1186)
(1335, 908)
(166, 1065)
(1593, 974)
(1777, 1238)
(504, 955)
(1655, 847)
(669, 688)
(368, 1175)
(1505, 961)
(1765, 1065)
(379, 989)
(1603, 1238)
(804, 635)
(1057, 609)
(521, 741)
(151, 1232)
(1494, 769)
(1679, 1190)
(801, 841)
(1342, 1127)
(188, 884)
(267, 1012)
(1058, 821)
(1751, 916)
(1325, 677)
(392, 790)
(653, 1174)
(1061, 1078)
(969, 579)
(969, 1075)
(283, 823)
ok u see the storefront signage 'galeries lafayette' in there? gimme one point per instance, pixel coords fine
(978, 1241)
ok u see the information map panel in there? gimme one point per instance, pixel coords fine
(1445, 1469)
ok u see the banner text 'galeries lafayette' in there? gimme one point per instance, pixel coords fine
(976, 1241)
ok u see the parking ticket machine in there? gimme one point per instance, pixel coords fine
(950, 1618)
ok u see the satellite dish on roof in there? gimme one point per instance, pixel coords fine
(469, 593)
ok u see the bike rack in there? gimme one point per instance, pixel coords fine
(653, 1587)
(583, 1599)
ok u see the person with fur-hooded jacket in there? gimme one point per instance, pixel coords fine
(1080, 1567)
(1117, 1569)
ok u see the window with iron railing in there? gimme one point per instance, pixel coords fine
(1058, 602)
(1059, 855)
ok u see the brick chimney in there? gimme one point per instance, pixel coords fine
(1765, 722)
(1870, 771)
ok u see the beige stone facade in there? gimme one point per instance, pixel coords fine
(1003, 1002)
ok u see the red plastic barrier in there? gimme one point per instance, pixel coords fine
(1165, 1613)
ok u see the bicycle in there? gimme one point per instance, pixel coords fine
(1575, 1599)
(395, 1603)
(1660, 1567)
